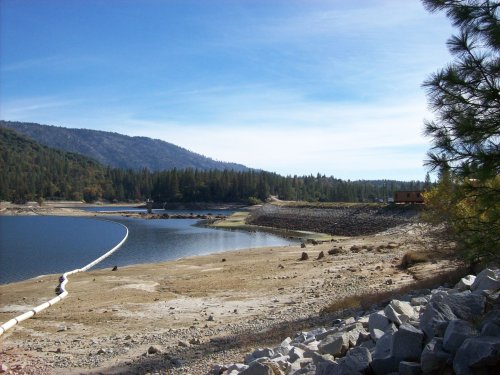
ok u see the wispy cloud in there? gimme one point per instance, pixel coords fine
(291, 134)
(29, 108)
(50, 62)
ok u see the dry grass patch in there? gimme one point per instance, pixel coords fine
(414, 257)
(366, 300)
(237, 219)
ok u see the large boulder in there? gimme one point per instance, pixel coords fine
(383, 346)
(456, 333)
(407, 343)
(404, 308)
(382, 360)
(434, 359)
(378, 323)
(434, 315)
(419, 301)
(281, 361)
(309, 347)
(257, 368)
(318, 358)
(329, 332)
(263, 353)
(282, 349)
(478, 355)
(295, 354)
(487, 279)
(335, 344)
(465, 305)
(393, 316)
(355, 331)
(357, 360)
(400, 312)
(437, 295)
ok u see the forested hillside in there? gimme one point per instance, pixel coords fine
(117, 150)
(30, 171)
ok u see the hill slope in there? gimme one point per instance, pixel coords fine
(117, 150)
(31, 170)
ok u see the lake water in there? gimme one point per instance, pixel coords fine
(34, 245)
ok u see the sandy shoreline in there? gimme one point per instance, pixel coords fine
(196, 311)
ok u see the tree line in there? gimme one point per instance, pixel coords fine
(31, 171)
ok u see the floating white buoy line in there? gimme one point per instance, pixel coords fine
(61, 288)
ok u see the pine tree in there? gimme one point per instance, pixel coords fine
(465, 97)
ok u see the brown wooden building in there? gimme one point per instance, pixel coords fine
(413, 196)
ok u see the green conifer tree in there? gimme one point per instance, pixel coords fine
(465, 97)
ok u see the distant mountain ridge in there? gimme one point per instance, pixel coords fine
(118, 150)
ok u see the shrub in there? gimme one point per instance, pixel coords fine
(471, 211)
(252, 201)
(413, 257)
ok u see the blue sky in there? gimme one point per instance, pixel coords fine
(294, 87)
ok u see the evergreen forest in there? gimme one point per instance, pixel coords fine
(31, 171)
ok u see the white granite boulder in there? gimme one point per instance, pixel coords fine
(257, 368)
(393, 316)
(404, 308)
(335, 344)
(382, 361)
(419, 301)
(378, 323)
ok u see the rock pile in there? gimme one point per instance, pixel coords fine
(446, 330)
(352, 220)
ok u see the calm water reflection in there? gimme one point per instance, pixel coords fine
(34, 245)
